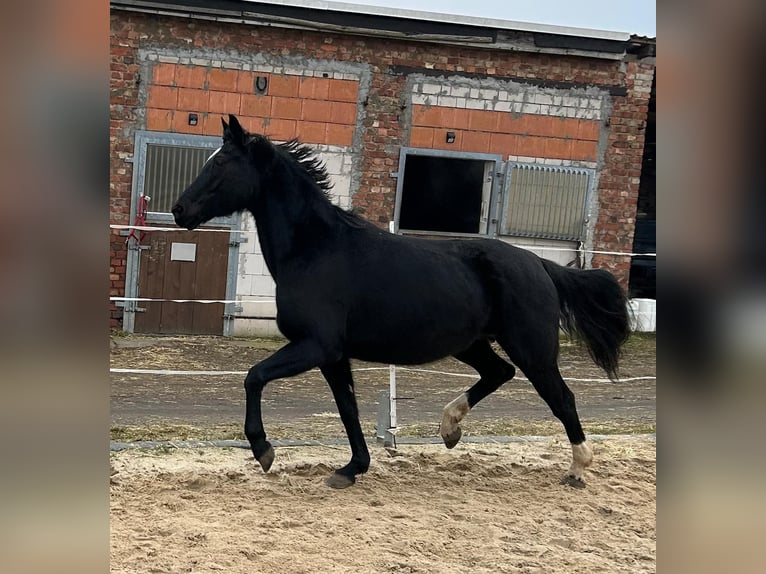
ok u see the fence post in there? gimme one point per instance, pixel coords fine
(383, 429)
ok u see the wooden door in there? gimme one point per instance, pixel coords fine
(167, 273)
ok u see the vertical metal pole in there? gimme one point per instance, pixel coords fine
(384, 417)
(392, 395)
(392, 371)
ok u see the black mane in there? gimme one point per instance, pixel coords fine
(306, 158)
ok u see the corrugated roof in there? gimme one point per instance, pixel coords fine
(347, 18)
(448, 18)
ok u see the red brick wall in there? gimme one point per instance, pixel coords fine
(315, 110)
(485, 131)
(297, 105)
(123, 104)
(620, 176)
(383, 135)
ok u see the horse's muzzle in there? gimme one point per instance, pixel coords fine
(177, 211)
(182, 217)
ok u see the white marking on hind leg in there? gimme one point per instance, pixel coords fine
(582, 457)
(454, 412)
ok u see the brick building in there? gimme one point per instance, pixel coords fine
(442, 125)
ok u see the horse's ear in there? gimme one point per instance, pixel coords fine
(233, 131)
(226, 131)
(237, 131)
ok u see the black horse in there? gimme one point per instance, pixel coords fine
(346, 289)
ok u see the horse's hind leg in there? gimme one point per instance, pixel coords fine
(493, 371)
(543, 373)
(554, 391)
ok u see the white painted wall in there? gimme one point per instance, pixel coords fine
(500, 96)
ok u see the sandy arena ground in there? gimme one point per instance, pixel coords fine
(478, 508)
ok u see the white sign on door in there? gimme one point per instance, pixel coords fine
(183, 251)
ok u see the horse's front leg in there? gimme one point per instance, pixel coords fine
(292, 359)
(339, 377)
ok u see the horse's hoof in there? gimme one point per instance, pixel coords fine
(453, 438)
(339, 481)
(267, 459)
(573, 481)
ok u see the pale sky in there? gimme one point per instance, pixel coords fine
(632, 16)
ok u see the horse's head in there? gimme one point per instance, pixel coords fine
(230, 179)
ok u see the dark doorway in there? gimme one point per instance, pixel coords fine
(643, 270)
(444, 194)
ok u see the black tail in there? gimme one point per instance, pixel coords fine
(593, 308)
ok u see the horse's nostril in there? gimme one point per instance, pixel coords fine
(177, 209)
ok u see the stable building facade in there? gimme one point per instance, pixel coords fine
(429, 124)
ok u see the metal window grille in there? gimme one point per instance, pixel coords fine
(169, 169)
(546, 202)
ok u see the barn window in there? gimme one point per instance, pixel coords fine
(545, 201)
(169, 169)
(165, 164)
(445, 193)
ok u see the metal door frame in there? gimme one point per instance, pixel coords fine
(132, 265)
(495, 194)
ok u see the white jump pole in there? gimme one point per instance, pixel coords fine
(392, 371)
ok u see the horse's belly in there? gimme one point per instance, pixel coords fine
(406, 340)
(400, 355)
(416, 307)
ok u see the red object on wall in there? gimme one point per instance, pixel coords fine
(140, 221)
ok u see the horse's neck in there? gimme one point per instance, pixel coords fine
(288, 219)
